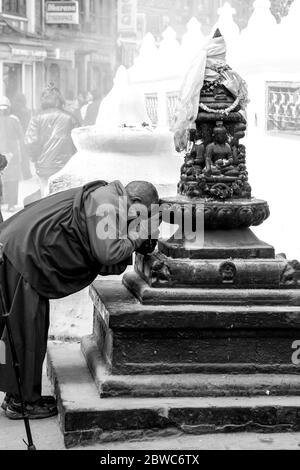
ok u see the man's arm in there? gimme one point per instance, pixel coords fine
(115, 270)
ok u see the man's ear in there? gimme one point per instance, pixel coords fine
(137, 200)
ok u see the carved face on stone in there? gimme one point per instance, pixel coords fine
(228, 273)
(225, 215)
(220, 135)
(260, 216)
(245, 215)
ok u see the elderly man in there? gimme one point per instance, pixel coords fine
(52, 249)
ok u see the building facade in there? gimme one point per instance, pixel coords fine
(22, 53)
(142, 16)
(155, 16)
(39, 43)
(72, 44)
(83, 57)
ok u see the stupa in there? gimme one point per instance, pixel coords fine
(203, 337)
(122, 145)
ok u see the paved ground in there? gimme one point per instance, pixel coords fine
(47, 436)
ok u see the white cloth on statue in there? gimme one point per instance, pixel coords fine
(204, 67)
(188, 105)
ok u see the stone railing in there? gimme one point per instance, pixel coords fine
(283, 107)
(161, 107)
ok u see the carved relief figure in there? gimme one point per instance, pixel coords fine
(219, 156)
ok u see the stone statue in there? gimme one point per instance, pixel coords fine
(219, 155)
(215, 162)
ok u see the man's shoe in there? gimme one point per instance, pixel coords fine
(37, 410)
(47, 400)
(5, 401)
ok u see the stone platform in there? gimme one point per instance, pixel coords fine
(134, 338)
(152, 369)
(86, 418)
(189, 345)
(218, 244)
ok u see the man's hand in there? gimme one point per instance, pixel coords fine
(147, 247)
(145, 230)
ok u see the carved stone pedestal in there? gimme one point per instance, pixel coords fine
(195, 314)
(168, 360)
(202, 337)
(189, 343)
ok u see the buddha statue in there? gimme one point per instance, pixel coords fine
(219, 155)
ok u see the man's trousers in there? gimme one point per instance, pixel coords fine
(29, 318)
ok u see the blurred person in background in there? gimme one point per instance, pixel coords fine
(48, 139)
(78, 108)
(71, 107)
(80, 104)
(20, 110)
(12, 146)
(88, 99)
(3, 165)
(92, 109)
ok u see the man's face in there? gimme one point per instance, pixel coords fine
(147, 204)
(220, 136)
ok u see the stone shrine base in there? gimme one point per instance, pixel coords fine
(87, 419)
(235, 363)
(199, 339)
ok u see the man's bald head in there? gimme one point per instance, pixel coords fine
(143, 193)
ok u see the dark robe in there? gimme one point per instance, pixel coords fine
(48, 243)
(29, 318)
(51, 250)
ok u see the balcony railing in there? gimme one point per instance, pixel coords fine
(283, 107)
(17, 21)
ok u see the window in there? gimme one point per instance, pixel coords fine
(82, 12)
(283, 107)
(105, 17)
(89, 18)
(93, 14)
(14, 7)
(152, 107)
(154, 24)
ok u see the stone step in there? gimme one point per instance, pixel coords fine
(185, 385)
(217, 244)
(228, 297)
(159, 271)
(193, 338)
(85, 417)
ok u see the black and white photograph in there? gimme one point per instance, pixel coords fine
(149, 229)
